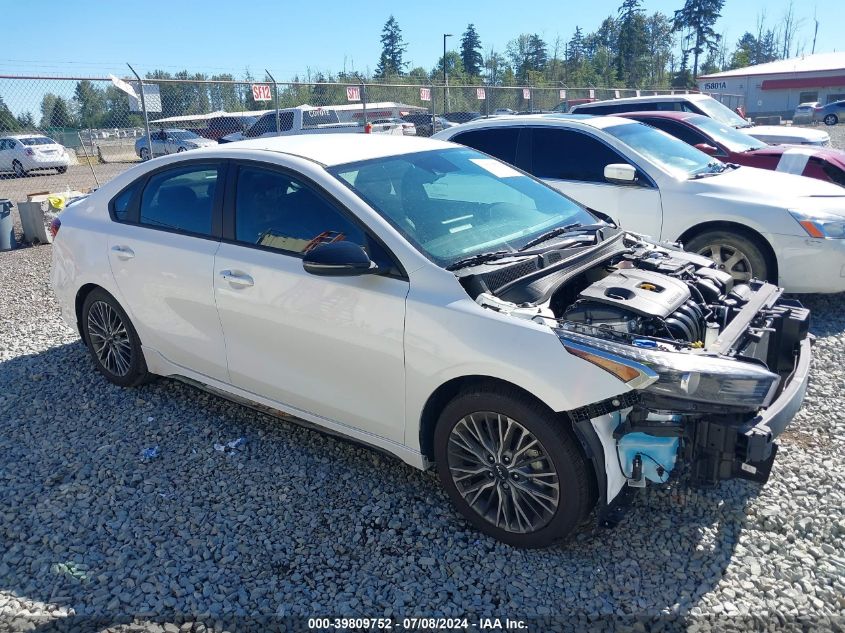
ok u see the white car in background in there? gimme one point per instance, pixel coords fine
(752, 222)
(708, 106)
(23, 153)
(408, 128)
(429, 300)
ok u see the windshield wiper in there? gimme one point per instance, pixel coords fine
(480, 258)
(714, 167)
(560, 230)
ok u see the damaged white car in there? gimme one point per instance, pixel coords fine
(431, 301)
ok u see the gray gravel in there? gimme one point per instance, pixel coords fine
(297, 523)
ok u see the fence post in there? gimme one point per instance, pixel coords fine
(275, 99)
(144, 108)
(364, 103)
(88, 158)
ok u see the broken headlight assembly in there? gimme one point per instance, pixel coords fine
(677, 375)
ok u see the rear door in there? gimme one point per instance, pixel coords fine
(165, 234)
(573, 162)
(329, 346)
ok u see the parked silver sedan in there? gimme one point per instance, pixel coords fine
(832, 113)
(170, 142)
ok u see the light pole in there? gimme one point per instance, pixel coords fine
(445, 80)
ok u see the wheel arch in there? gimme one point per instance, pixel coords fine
(742, 229)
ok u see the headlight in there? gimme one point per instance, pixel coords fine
(677, 375)
(820, 224)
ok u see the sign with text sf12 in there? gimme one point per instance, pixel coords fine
(261, 92)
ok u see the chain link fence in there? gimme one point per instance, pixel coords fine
(99, 128)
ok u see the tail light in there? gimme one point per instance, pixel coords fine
(368, 128)
(55, 225)
(29, 151)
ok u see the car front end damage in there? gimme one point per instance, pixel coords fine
(711, 370)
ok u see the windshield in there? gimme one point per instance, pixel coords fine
(673, 155)
(455, 203)
(726, 135)
(37, 140)
(183, 135)
(319, 117)
(721, 113)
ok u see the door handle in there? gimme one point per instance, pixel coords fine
(239, 280)
(123, 252)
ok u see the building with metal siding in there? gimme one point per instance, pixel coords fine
(777, 87)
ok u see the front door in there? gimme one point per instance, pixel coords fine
(329, 346)
(161, 251)
(573, 162)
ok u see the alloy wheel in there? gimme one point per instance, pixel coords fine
(831, 119)
(145, 153)
(729, 259)
(109, 338)
(503, 472)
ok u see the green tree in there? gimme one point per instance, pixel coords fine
(633, 43)
(88, 104)
(698, 17)
(8, 122)
(393, 49)
(47, 103)
(659, 37)
(527, 54)
(60, 115)
(26, 121)
(471, 52)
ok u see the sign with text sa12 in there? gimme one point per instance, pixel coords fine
(353, 93)
(261, 92)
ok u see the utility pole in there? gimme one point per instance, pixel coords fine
(445, 79)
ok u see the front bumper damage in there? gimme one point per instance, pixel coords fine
(639, 438)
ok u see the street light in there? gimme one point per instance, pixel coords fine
(445, 80)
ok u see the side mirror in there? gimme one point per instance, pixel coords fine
(706, 148)
(338, 259)
(620, 174)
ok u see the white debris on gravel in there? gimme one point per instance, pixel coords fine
(294, 522)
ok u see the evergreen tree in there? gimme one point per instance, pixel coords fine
(88, 102)
(471, 52)
(60, 115)
(699, 16)
(47, 103)
(633, 43)
(393, 49)
(538, 56)
(8, 122)
(25, 121)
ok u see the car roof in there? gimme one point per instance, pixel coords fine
(549, 118)
(338, 149)
(19, 136)
(693, 96)
(661, 114)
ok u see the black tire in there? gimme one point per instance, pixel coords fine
(144, 153)
(17, 167)
(831, 119)
(61, 170)
(557, 451)
(740, 254)
(135, 372)
(181, 149)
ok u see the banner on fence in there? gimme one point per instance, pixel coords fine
(125, 86)
(615, 94)
(638, 93)
(592, 93)
(425, 94)
(353, 93)
(480, 94)
(261, 92)
(526, 93)
(562, 95)
(152, 97)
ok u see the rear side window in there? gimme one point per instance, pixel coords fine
(679, 131)
(181, 199)
(277, 211)
(267, 124)
(498, 142)
(570, 155)
(120, 203)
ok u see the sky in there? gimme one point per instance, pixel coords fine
(289, 38)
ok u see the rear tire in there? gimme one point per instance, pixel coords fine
(112, 340)
(20, 172)
(145, 153)
(735, 253)
(61, 170)
(523, 481)
(831, 119)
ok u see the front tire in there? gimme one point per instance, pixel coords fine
(112, 340)
(734, 253)
(61, 170)
(181, 149)
(144, 153)
(831, 119)
(511, 468)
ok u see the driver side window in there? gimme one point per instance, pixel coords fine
(570, 155)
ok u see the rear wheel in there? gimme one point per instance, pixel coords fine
(112, 341)
(20, 172)
(61, 170)
(734, 253)
(145, 153)
(511, 468)
(181, 149)
(831, 119)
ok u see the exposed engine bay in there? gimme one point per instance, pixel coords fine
(708, 354)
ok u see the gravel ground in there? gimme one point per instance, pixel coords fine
(837, 133)
(296, 523)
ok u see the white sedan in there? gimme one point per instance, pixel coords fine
(752, 222)
(23, 153)
(426, 299)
